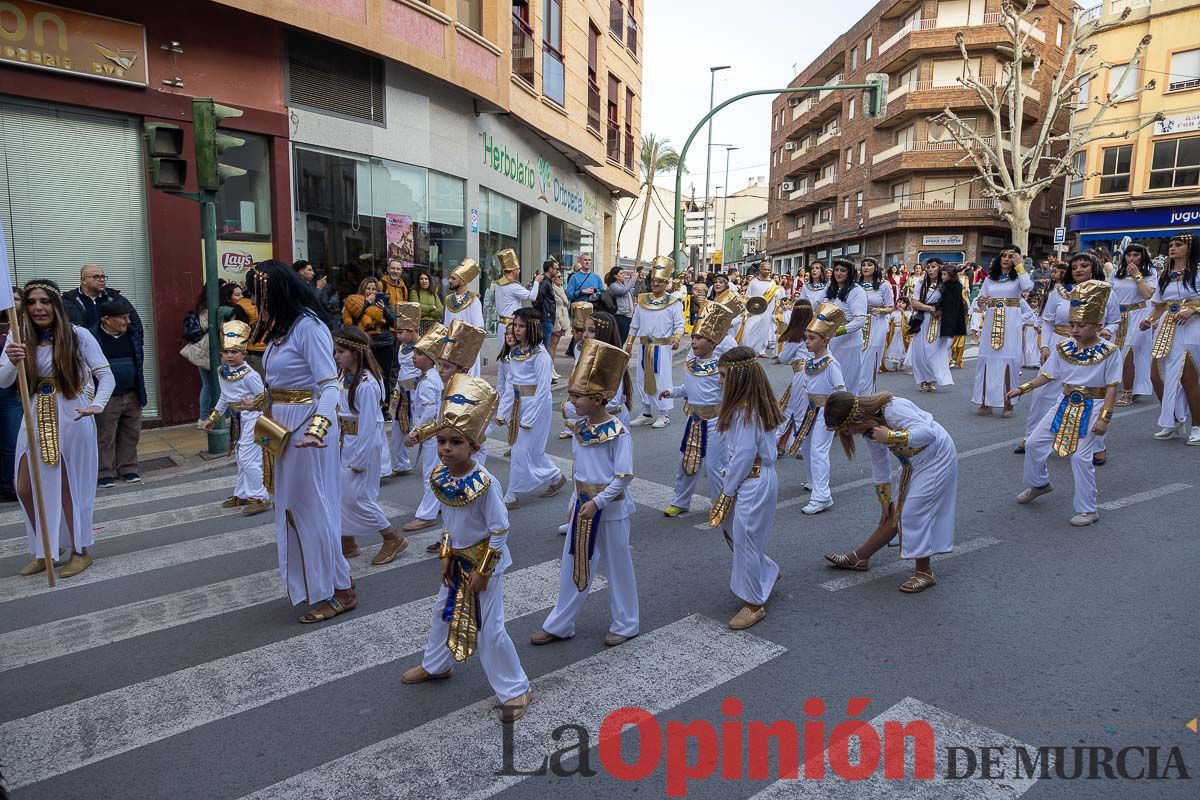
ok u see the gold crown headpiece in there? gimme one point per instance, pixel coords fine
(581, 312)
(433, 342)
(714, 322)
(662, 268)
(235, 335)
(508, 260)
(827, 318)
(1088, 301)
(408, 316)
(462, 343)
(468, 406)
(466, 271)
(599, 369)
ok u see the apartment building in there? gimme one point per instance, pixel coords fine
(899, 188)
(1144, 185)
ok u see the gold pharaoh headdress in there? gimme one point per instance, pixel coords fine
(827, 318)
(714, 322)
(1088, 301)
(235, 335)
(433, 342)
(467, 271)
(580, 313)
(463, 342)
(662, 268)
(599, 369)
(408, 316)
(508, 260)
(734, 302)
(468, 405)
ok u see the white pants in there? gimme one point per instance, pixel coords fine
(401, 461)
(710, 465)
(249, 484)
(816, 453)
(612, 553)
(430, 507)
(662, 378)
(1173, 408)
(1039, 448)
(496, 652)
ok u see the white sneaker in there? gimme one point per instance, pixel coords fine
(1085, 519)
(662, 422)
(555, 375)
(644, 419)
(1031, 493)
(817, 506)
(1162, 434)
(564, 528)
(1194, 436)
(806, 486)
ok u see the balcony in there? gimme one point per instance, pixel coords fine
(822, 227)
(819, 103)
(807, 105)
(979, 205)
(799, 152)
(614, 142)
(825, 137)
(909, 101)
(827, 181)
(523, 52)
(798, 233)
(934, 35)
(801, 190)
(911, 156)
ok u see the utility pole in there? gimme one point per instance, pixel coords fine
(712, 89)
(725, 202)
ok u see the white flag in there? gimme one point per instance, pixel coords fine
(6, 294)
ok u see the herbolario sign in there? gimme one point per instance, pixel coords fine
(62, 40)
(540, 178)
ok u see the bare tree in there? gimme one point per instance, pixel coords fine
(1015, 172)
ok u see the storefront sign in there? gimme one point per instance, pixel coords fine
(942, 241)
(1181, 123)
(234, 258)
(853, 249)
(992, 241)
(62, 40)
(474, 220)
(550, 188)
(1128, 220)
(837, 251)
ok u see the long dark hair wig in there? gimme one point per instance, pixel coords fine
(282, 298)
(1189, 272)
(356, 341)
(607, 332)
(802, 313)
(67, 360)
(1092, 260)
(1140, 249)
(837, 290)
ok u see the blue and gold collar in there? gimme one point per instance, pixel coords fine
(458, 492)
(234, 373)
(458, 302)
(1088, 356)
(702, 368)
(590, 435)
(523, 354)
(815, 366)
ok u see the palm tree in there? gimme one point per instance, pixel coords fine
(657, 156)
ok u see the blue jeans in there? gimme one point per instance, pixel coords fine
(207, 401)
(547, 333)
(10, 429)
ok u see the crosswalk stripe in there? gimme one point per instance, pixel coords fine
(65, 738)
(169, 555)
(1141, 497)
(656, 671)
(850, 579)
(141, 495)
(62, 637)
(948, 731)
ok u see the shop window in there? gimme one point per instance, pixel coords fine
(1176, 164)
(499, 229)
(244, 202)
(1114, 176)
(326, 77)
(553, 70)
(1078, 171)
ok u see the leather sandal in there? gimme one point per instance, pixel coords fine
(33, 567)
(541, 637)
(512, 710)
(419, 524)
(919, 582)
(748, 616)
(849, 561)
(392, 547)
(555, 487)
(337, 607)
(419, 674)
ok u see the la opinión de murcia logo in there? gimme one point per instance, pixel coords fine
(735, 749)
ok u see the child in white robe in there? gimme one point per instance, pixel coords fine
(239, 381)
(462, 304)
(427, 399)
(408, 320)
(896, 347)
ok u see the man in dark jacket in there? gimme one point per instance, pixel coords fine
(83, 304)
(544, 302)
(119, 425)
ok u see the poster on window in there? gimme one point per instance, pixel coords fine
(400, 239)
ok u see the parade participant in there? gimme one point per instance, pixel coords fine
(693, 305)
(722, 290)
(1031, 331)
(427, 399)
(1001, 345)
(526, 409)
(921, 521)
(929, 352)
(62, 363)
(794, 351)
(958, 341)
(896, 348)
(847, 345)
(1088, 369)
(815, 284)
(737, 306)
(1133, 286)
(360, 422)
(300, 469)
(881, 301)
(240, 382)
(581, 312)
(1176, 349)
(468, 614)
(819, 376)
(756, 329)
(745, 508)
(461, 303)
(655, 332)
(702, 445)
(600, 505)
(604, 327)
(509, 292)
(408, 321)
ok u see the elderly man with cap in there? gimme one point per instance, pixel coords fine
(119, 426)
(462, 303)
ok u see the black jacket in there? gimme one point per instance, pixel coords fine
(544, 302)
(139, 356)
(85, 312)
(954, 310)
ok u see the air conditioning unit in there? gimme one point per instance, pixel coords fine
(789, 145)
(789, 186)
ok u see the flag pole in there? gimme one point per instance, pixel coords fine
(35, 473)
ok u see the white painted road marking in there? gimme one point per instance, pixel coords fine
(138, 496)
(1141, 497)
(849, 578)
(656, 671)
(68, 737)
(948, 731)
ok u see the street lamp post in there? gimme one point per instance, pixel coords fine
(725, 205)
(712, 89)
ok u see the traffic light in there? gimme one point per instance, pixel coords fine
(875, 99)
(206, 116)
(164, 154)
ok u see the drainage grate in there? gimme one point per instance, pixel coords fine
(154, 464)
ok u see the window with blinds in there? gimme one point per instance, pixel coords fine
(329, 78)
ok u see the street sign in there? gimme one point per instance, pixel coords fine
(474, 220)
(1060, 235)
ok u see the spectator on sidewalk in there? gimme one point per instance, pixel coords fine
(119, 425)
(425, 294)
(10, 421)
(545, 302)
(562, 321)
(620, 284)
(583, 286)
(83, 304)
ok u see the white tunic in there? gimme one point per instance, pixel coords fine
(756, 330)
(659, 319)
(237, 384)
(401, 462)
(753, 516)
(847, 348)
(308, 487)
(930, 360)
(509, 296)
(531, 467)
(999, 368)
(1129, 336)
(1186, 343)
(701, 387)
(926, 506)
(427, 402)
(897, 324)
(361, 463)
(815, 293)
(880, 304)
(78, 454)
(470, 311)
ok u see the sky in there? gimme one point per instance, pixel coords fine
(765, 43)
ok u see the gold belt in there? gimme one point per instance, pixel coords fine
(46, 413)
(1133, 307)
(999, 305)
(1087, 392)
(593, 489)
(654, 340)
(996, 302)
(1123, 326)
(348, 425)
(296, 397)
(1165, 337)
(407, 385)
(525, 389)
(463, 626)
(703, 412)
(798, 366)
(506, 320)
(756, 470)
(1070, 417)
(866, 333)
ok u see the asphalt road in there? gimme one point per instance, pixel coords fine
(174, 668)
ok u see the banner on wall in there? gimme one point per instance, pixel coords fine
(234, 258)
(399, 233)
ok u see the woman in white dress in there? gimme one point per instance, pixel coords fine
(1176, 349)
(845, 293)
(881, 302)
(815, 284)
(1133, 285)
(896, 349)
(921, 518)
(302, 397)
(526, 408)
(929, 353)
(1001, 344)
(67, 362)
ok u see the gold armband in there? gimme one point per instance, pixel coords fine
(489, 562)
(318, 427)
(214, 417)
(630, 339)
(676, 340)
(897, 438)
(444, 551)
(841, 331)
(1019, 268)
(1106, 415)
(720, 510)
(260, 402)
(1025, 388)
(883, 491)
